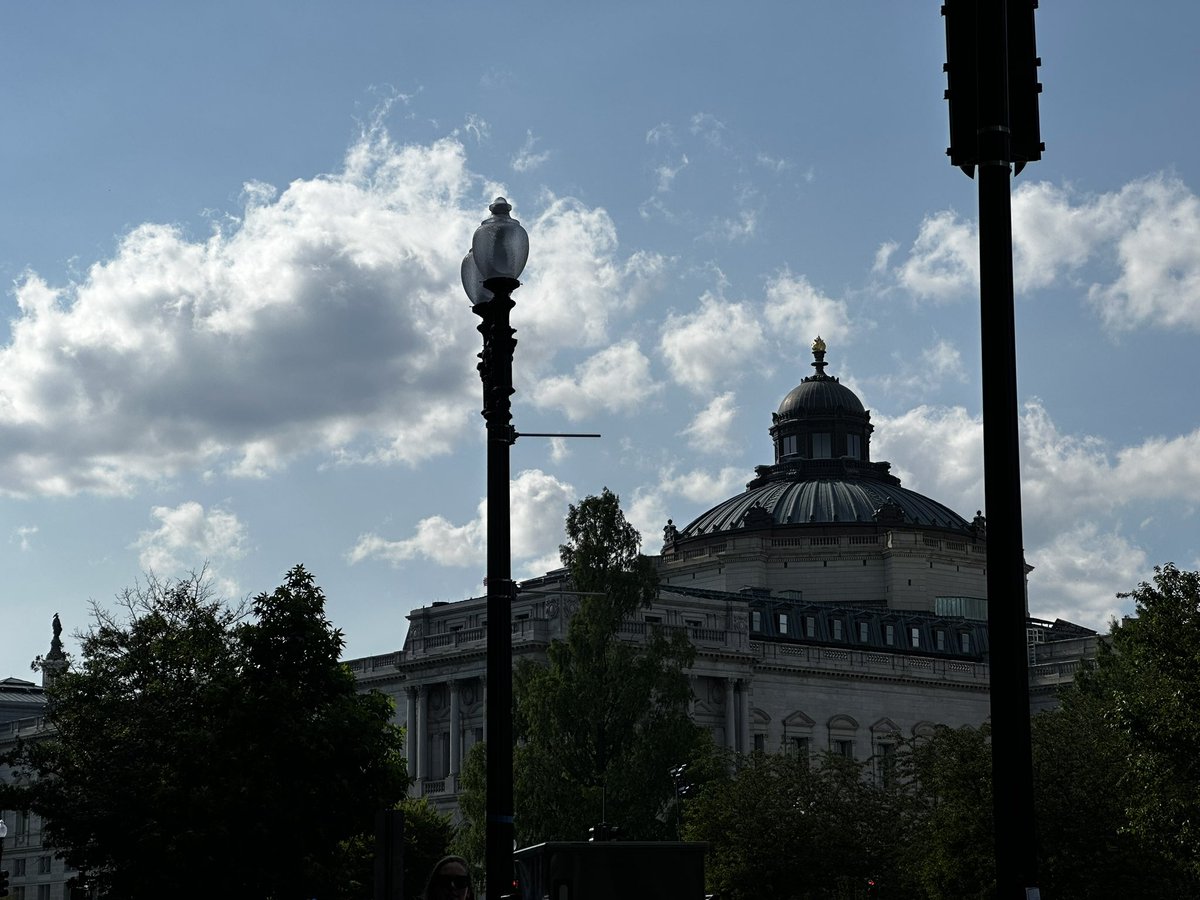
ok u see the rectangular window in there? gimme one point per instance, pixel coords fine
(800, 746)
(760, 743)
(19, 867)
(964, 642)
(755, 620)
(837, 629)
(43, 892)
(789, 445)
(810, 626)
(853, 446)
(43, 865)
(18, 893)
(783, 623)
(653, 620)
(916, 636)
(863, 633)
(843, 747)
(941, 639)
(889, 634)
(822, 446)
(887, 764)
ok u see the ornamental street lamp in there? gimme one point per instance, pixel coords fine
(490, 271)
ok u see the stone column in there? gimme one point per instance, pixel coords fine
(455, 729)
(422, 740)
(744, 731)
(730, 714)
(410, 702)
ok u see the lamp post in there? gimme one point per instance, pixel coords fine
(490, 271)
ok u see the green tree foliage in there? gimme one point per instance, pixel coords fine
(782, 826)
(947, 781)
(195, 749)
(470, 838)
(1121, 749)
(605, 720)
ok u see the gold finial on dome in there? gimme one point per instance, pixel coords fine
(818, 345)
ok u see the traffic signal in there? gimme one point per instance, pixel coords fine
(3, 882)
(964, 47)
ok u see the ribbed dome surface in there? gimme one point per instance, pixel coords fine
(819, 395)
(824, 501)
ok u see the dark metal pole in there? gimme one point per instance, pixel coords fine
(1012, 765)
(495, 371)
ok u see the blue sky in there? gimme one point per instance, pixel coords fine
(234, 334)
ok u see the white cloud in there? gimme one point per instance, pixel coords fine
(944, 261)
(1076, 572)
(666, 174)
(798, 311)
(652, 503)
(617, 379)
(662, 133)
(772, 164)
(538, 504)
(943, 360)
(525, 159)
(712, 430)
(576, 284)
(732, 229)
(327, 319)
(712, 345)
(883, 256)
(188, 537)
(1074, 489)
(23, 536)
(1139, 247)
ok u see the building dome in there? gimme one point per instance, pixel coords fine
(819, 393)
(823, 473)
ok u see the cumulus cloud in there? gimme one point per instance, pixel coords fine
(617, 379)
(187, 537)
(711, 345)
(1137, 251)
(576, 284)
(1075, 573)
(326, 318)
(1066, 480)
(712, 430)
(799, 312)
(652, 503)
(538, 508)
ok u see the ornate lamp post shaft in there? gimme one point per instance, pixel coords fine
(489, 275)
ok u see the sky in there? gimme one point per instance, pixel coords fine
(234, 338)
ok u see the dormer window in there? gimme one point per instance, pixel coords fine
(822, 446)
(854, 446)
(789, 445)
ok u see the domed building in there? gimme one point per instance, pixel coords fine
(831, 608)
(825, 523)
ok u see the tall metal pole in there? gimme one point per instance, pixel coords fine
(495, 371)
(1012, 765)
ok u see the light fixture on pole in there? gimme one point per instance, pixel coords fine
(490, 273)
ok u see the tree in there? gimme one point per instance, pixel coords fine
(470, 838)
(782, 826)
(604, 721)
(1132, 775)
(196, 750)
(949, 833)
